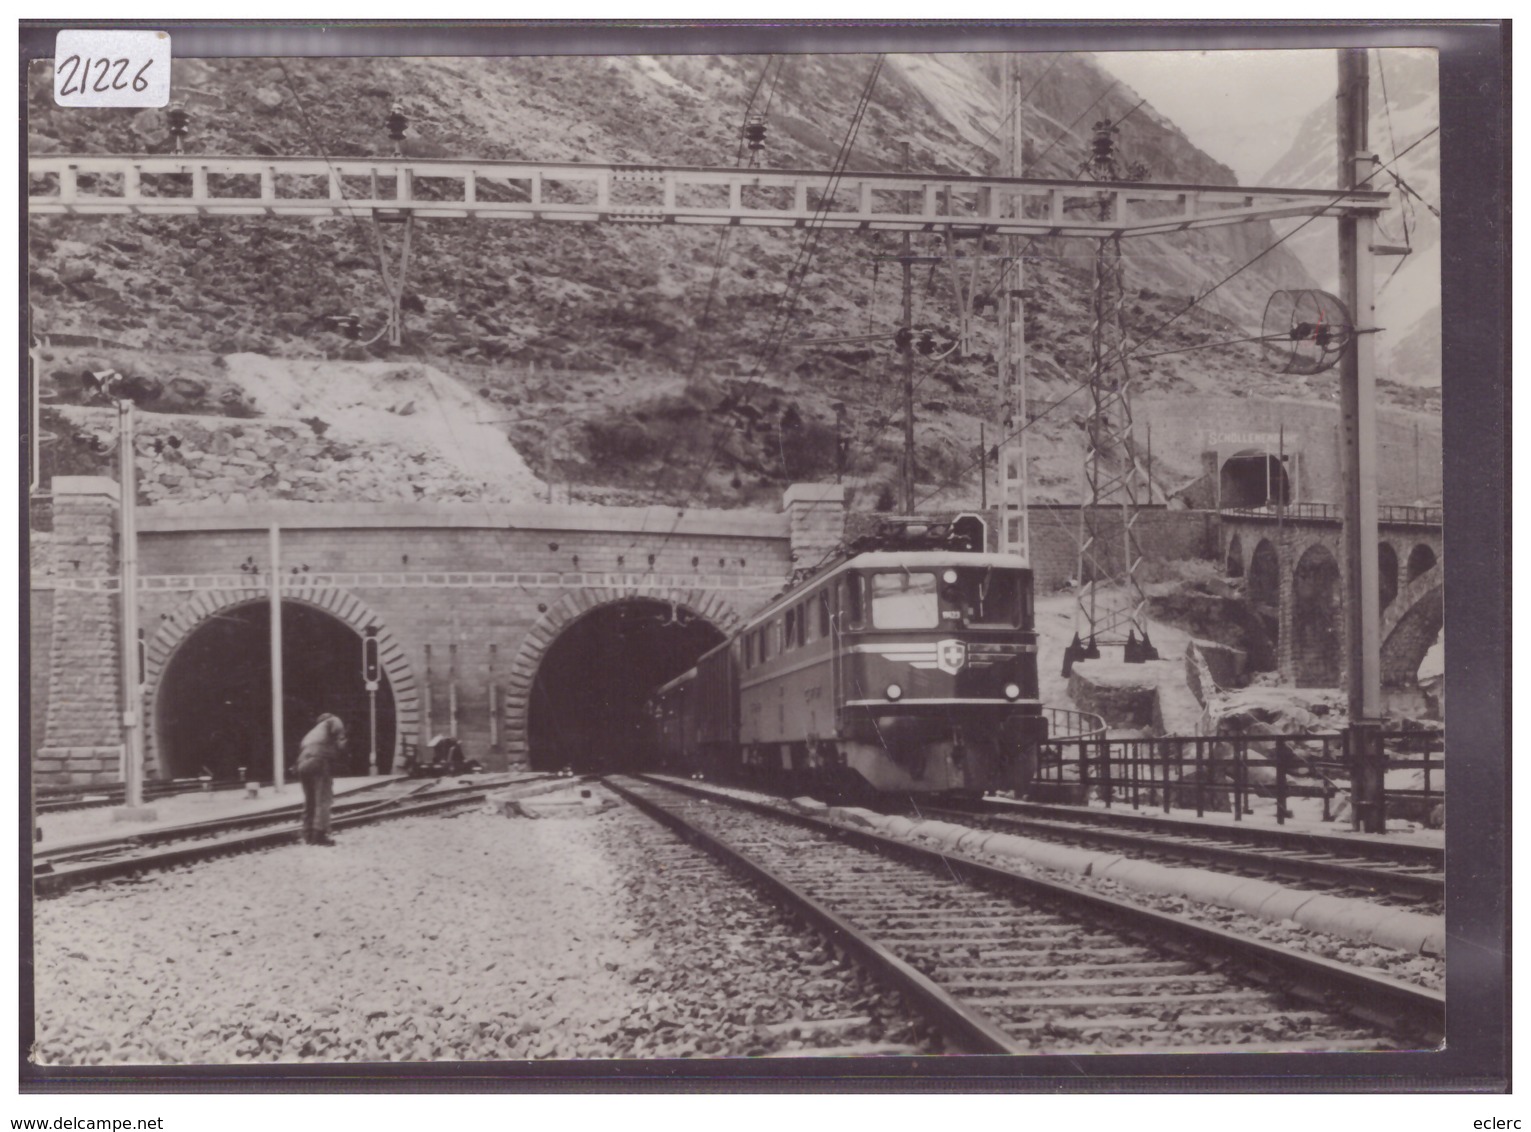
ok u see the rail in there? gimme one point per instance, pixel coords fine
(884, 938)
(1228, 772)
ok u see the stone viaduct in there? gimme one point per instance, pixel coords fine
(1292, 567)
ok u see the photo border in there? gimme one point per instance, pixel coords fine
(1475, 287)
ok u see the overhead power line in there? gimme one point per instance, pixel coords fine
(1131, 351)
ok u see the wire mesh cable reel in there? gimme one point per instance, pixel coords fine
(1304, 332)
(934, 342)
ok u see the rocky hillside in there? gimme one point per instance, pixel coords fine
(586, 346)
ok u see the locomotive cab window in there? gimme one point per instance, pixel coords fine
(983, 596)
(905, 600)
(852, 601)
(823, 613)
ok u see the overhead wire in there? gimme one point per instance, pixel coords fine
(720, 253)
(1069, 129)
(1014, 105)
(796, 273)
(750, 105)
(1131, 351)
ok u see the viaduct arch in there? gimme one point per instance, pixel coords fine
(1411, 576)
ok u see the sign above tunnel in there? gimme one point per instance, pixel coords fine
(1231, 443)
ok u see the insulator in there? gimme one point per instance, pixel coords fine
(397, 122)
(1104, 140)
(755, 133)
(902, 338)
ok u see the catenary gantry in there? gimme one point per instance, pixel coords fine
(610, 193)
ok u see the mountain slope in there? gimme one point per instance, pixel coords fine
(587, 345)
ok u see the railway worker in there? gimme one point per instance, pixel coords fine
(317, 758)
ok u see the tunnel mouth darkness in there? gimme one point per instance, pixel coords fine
(586, 704)
(1253, 479)
(214, 702)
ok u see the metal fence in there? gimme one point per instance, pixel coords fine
(1067, 723)
(1228, 772)
(1388, 514)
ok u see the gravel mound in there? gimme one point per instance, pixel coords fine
(466, 938)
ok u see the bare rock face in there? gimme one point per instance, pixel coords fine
(1220, 619)
(1223, 665)
(1276, 720)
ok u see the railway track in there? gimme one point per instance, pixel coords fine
(1008, 964)
(59, 869)
(1396, 872)
(60, 800)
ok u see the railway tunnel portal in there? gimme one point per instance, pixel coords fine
(212, 712)
(531, 633)
(585, 709)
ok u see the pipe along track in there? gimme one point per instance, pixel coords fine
(1003, 963)
(70, 866)
(1400, 872)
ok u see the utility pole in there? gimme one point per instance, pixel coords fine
(1014, 526)
(132, 690)
(983, 469)
(1358, 423)
(906, 344)
(278, 720)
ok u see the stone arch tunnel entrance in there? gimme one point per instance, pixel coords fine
(586, 701)
(1253, 479)
(213, 708)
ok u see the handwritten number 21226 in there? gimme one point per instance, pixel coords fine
(82, 73)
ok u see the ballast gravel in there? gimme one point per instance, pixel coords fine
(467, 937)
(1427, 971)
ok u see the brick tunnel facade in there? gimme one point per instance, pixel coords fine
(466, 601)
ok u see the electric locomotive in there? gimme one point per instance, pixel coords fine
(908, 666)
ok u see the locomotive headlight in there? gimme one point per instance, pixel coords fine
(1012, 691)
(950, 577)
(893, 692)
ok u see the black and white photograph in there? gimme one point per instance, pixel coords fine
(776, 557)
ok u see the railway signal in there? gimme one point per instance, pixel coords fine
(371, 672)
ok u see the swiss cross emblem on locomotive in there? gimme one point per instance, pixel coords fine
(951, 655)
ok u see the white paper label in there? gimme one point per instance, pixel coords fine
(111, 68)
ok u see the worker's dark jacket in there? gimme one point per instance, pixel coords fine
(322, 747)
